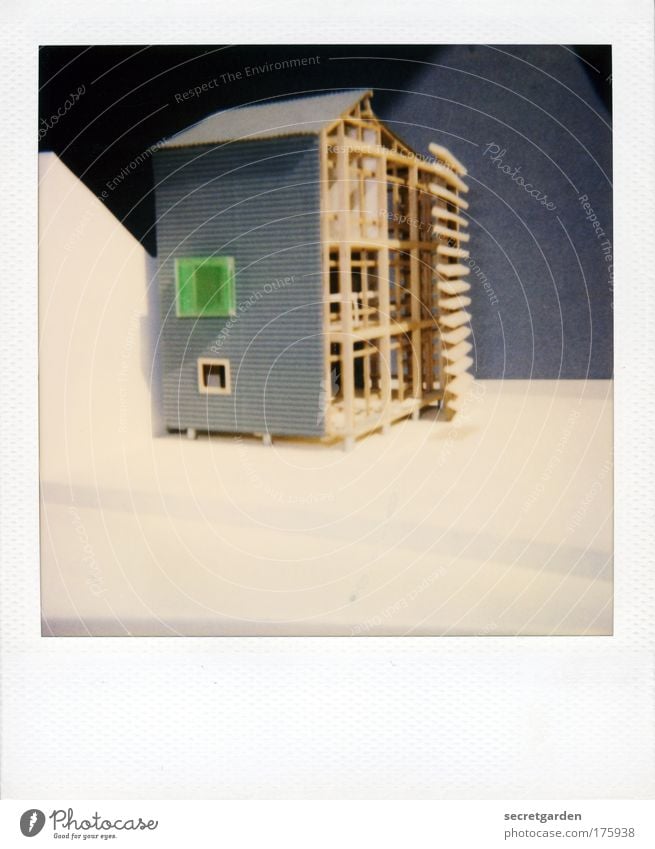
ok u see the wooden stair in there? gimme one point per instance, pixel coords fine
(454, 321)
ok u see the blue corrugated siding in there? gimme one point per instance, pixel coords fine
(258, 201)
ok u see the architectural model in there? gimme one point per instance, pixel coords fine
(310, 273)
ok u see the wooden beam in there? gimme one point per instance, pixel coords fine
(345, 287)
(457, 253)
(444, 214)
(395, 328)
(451, 197)
(383, 297)
(414, 284)
(452, 269)
(339, 121)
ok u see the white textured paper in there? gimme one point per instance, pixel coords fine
(451, 718)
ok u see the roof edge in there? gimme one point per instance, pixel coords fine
(279, 100)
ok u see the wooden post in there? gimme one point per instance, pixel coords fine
(345, 287)
(325, 396)
(452, 318)
(383, 295)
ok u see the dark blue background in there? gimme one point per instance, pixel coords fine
(544, 105)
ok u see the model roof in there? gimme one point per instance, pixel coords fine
(300, 116)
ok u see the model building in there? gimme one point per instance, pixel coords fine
(310, 272)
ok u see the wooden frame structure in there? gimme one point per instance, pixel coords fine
(394, 295)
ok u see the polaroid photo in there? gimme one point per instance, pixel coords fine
(327, 452)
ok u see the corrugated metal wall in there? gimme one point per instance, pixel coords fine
(258, 201)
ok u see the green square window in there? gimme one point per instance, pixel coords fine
(205, 286)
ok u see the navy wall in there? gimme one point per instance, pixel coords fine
(257, 201)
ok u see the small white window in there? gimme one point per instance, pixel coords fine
(214, 377)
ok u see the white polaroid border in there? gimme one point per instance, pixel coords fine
(449, 718)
